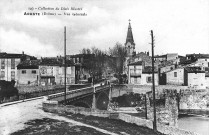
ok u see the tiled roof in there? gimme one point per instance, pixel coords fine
(194, 70)
(160, 56)
(55, 62)
(14, 55)
(29, 64)
(199, 55)
(136, 63)
(166, 63)
(148, 70)
(33, 64)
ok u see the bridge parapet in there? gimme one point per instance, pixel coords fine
(101, 87)
(71, 94)
(77, 93)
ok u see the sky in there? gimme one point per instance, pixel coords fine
(179, 26)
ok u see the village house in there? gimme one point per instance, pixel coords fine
(207, 77)
(167, 57)
(194, 77)
(8, 64)
(147, 76)
(52, 71)
(141, 75)
(81, 72)
(46, 71)
(28, 72)
(175, 76)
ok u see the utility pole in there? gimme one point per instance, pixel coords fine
(65, 62)
(153, 84)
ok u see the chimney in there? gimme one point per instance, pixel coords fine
(148, 53)
(22, 52)
(57, 58)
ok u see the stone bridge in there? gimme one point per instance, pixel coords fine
(89, 97)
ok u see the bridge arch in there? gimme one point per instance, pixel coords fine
(102, 100)
(81, 103)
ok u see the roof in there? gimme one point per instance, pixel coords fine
(29, 64)
(160, 56)
(34, 64)
(80, 55)
(136, 63)
(148, 70)
(166, 63)
(15, 55)
(55, 62)
(194, 70)
(129, 37)
(198, 55)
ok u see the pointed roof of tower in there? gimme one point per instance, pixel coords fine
(129, 37)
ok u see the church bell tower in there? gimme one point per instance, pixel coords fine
(130, 45)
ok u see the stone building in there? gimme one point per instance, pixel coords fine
(28, 72)
(141, 75)
(46, 71)
(8, 64)
(194, 77)
(175, 77)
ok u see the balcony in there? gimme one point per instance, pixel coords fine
(132, 74)
(135, 73)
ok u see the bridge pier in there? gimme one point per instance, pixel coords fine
(94, 99)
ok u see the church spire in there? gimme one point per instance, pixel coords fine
(129, 37)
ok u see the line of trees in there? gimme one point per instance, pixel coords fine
(99, 60)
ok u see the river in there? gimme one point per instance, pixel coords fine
(196, 124)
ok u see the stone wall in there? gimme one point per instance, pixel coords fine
(52, 106)
(167, 111)
(194, 99)
(30, 89)
(146, 88)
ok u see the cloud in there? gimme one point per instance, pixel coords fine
(12, 41)
(35, 21)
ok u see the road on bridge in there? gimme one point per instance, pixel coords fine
(13, 117)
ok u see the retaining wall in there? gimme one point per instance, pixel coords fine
(52, 106)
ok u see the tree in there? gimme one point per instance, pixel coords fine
(120, 54)
(95, 61)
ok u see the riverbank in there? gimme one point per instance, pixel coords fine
(55, 127)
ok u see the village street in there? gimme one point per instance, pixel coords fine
(14, 116)
(28, 118)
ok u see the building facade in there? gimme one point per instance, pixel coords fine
(8, 65)
(46, 71)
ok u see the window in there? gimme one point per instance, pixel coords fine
(2, 74)
(60, 71)
(149, 79)
(2, 63)
(12, 63)
(33, 71)
(68, 70)
(175, 74)
(12, 75)
(23, 71)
